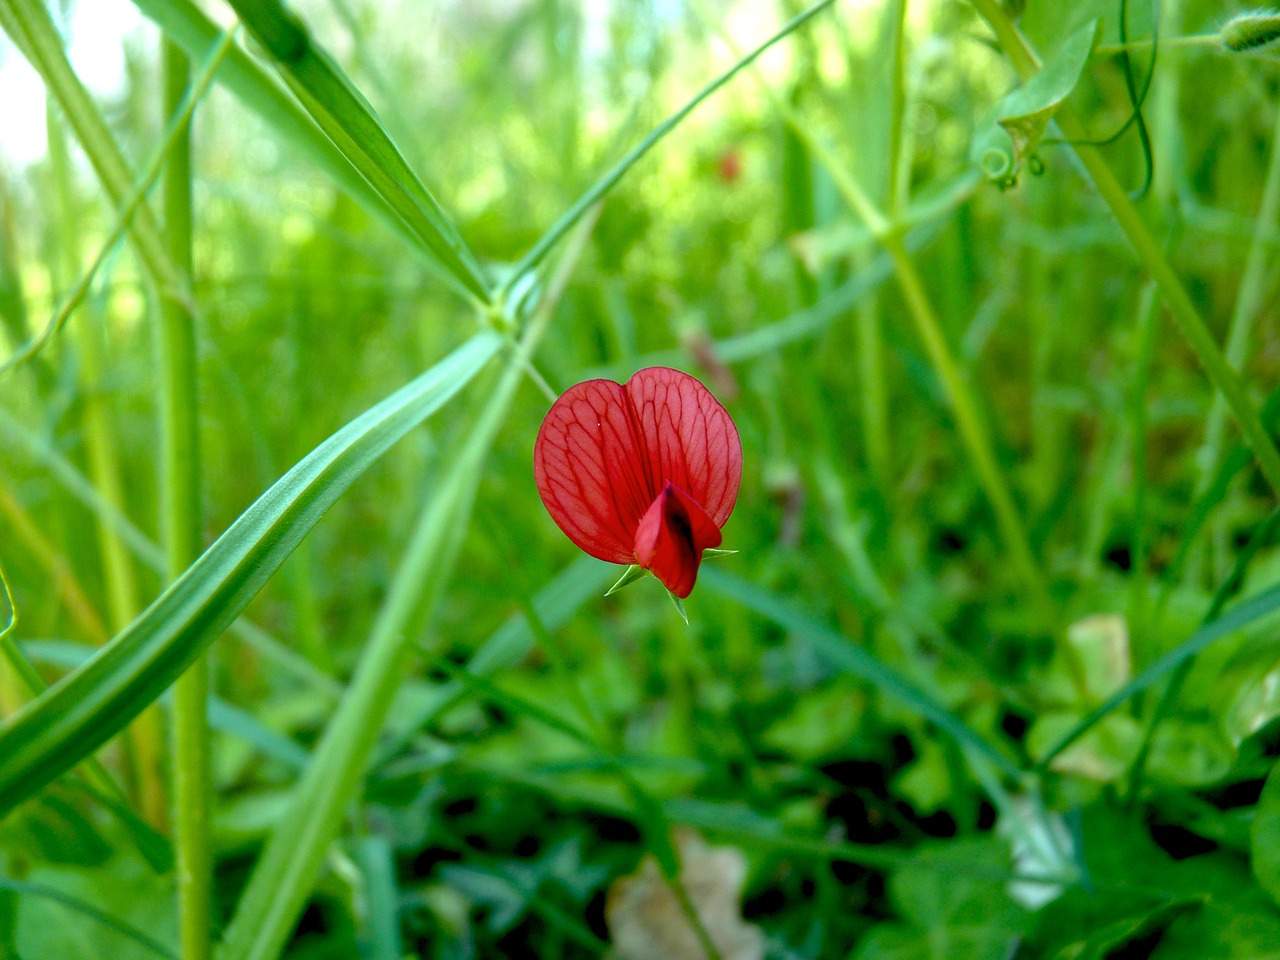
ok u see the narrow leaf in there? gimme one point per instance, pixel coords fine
(93, 703)
(1239, 616)
(1016, 125)
(350, 122)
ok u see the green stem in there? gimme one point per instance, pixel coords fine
(1145, 339)
(29, 26)
(1253, 285)
(973, 429)
(969, 420)
(873, 395)
(145, 735)
(546, 243)
(180, 506)
(1198, 40)
(899, 164)
(295, 852)
(1185, 315)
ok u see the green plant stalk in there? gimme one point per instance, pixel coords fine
(899, 159)
(969, 420)
(96, 700)
(126, 210)
(145, 736)
(973, 431)
(24, 671)
(32, 30)
(180, 523)
(282, 880)
(1188, 319)
(287, 870)
(187, 25)
(874, 396)
(1195, 40)
(151, 555)
(1145, 339)
(1253, 286)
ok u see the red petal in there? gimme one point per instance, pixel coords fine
(671, 538)
(590, 470)
(689, 437)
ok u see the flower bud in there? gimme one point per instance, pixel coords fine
(1251, 31)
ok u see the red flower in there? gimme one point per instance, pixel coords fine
(644, 473)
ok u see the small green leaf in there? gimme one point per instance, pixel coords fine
(1016, 124)
(679, 606)
(629, 576)
(717, 552)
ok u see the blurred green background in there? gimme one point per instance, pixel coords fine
(819, 808)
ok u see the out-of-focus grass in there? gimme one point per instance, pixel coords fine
(496, 814)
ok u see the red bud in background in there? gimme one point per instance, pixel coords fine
(729, 166)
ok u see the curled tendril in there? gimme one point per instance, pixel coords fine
(1137, 98)
(997, 164)
(1035, 165)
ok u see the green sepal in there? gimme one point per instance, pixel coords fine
(629, 576)
(679, 606)
(717, 552)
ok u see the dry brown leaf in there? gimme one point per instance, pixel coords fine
(647, 923)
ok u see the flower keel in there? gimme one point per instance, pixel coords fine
(671, 537)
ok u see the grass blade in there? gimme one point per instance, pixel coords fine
(349, 121)
(88, 910)
(1240, 616)
(186, 25)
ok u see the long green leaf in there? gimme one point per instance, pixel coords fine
(74, 482)
(854, 660)
(555, 604)
(88, 706)
(350, 122)
(186, 25)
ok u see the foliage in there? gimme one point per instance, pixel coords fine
(989, 668)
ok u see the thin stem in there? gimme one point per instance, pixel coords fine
(29, 26)
(294, 854)
(898, 161)
(691, 914)
(128, 208)
(180, 506)
(972, 426)
(973, 430)
(1185, 315)
(1145, 339)
(145, 735)
(1197, 40)
(1249, 297)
